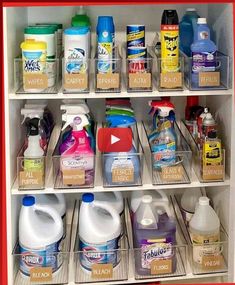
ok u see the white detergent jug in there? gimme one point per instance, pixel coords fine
(40, 236)
(55, 201)
(157, 195)
(204, 228)
(99, 232)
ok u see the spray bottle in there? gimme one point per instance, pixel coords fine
(127, 162)
(30, 114)
(33, 154)
(79, 155)
(163, 139)
(67, 138)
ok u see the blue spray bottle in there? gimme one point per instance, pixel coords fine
(203, 52)
(126, 161)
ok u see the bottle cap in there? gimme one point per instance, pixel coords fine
(190, 9)
(88, 197)
(147, 199)
(201, 21)
(105, 23)
(76, 31)
(212, 135)
(28, 201)
(203, 201)
(39, 30)
(31, 44)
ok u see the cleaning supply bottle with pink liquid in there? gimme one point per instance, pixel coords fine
(80, 155)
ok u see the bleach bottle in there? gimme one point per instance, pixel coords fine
(203, 52)
(154, 233)
(187, 30)
(99, 232)
(40, 237)
(55, 201)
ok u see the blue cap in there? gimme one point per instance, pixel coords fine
(105, 23)
(28, 201)
(88, 197)
(120, 121)
(76, 31)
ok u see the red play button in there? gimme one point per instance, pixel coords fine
(114, 139)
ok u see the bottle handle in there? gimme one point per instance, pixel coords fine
(60, 198)
(163, 196)
(163, 205)
(51, 212)
(109, 209)
(118, 195)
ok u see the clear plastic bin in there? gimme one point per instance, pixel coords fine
(76, 82)
(71, 171)
(207, 258)
(176, 173)
(106, 272)
(139, 74)
(205, 173)
(30, 171)
(168, 261)
(170, 80)
(109, 82)
(46, 82)
(123, 169)
(209, 80)
(44, 274)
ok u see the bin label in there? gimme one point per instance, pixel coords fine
(140, 80)
(172, 173)
(213, 172)
(209, 79)
(41, 274)
(74, 177)
(212, 262)
(31, 178)
(108, 81)
(76, 81)
(123, 174)
(35, 81)
(102, 271)
(171, 80)
(161, 266)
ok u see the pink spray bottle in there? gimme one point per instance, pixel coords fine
(78, 159)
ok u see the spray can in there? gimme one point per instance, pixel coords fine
(170, 41)
(137, 59)
(105, 44)
(135, 35)
(208, 125)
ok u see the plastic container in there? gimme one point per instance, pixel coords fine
(34, 63)
(45, 34)
(98, 231)
(40, 234)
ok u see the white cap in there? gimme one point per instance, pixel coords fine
(147, 199)
(190, 9)
(204, 201)
(201, 21)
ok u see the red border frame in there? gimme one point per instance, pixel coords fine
(3, 218)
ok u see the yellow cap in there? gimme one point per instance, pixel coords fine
(31, 44)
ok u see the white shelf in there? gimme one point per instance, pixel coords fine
(123, 94)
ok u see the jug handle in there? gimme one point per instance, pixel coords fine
(165, 206)
(51, 212)
(109, 209)
(163, 195)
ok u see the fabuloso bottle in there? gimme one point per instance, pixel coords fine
(170, 41)
(203, 52)
(105, 44)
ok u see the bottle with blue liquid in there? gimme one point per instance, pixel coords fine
(203, 52)
(105, 44)
(188, 27)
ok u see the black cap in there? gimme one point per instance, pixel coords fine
(170, 17)
(33, 127)
(212, 134)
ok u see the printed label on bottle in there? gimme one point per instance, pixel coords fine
(122, 170)
(79, 162)
(212, 153)
(99, 253)
(104, 64)
(76, 61)
(209, 246)
(50, 256)
(152, 250)
(163, 154)
(203, 61)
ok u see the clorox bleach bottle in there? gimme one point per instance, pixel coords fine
(55, 201)
(98, 233)
(40, 236)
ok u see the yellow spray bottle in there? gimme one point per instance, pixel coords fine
(169, 41)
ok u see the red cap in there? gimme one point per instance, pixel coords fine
(192, 101)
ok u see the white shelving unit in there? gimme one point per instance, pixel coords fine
(221, 102)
